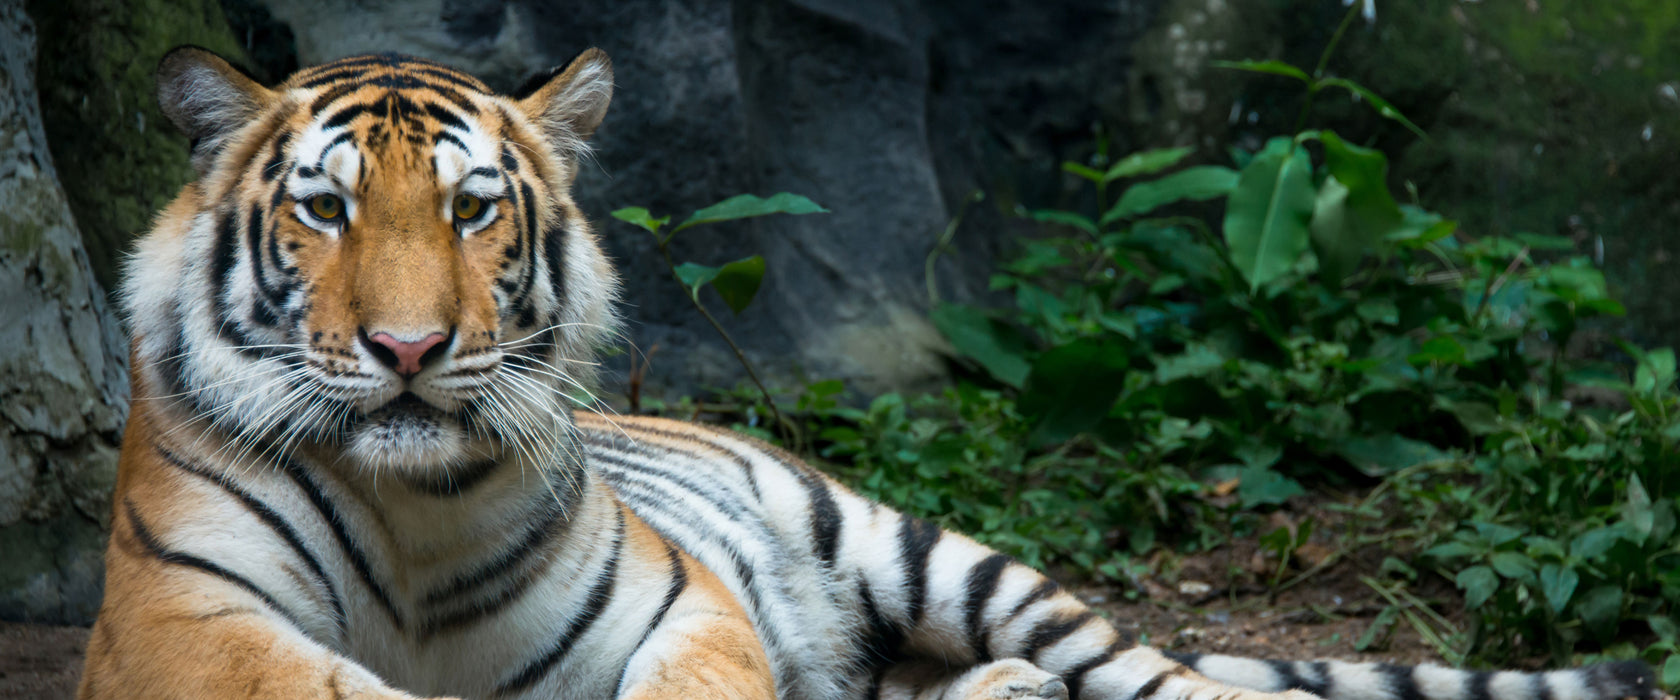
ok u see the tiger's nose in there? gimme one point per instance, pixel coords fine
(404, 357)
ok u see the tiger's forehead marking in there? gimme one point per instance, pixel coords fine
(368, 109)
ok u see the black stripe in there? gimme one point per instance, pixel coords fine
(445, 117)
(1051, 630)
(981, 585)
(825, 518)
(649, 500)
(411, 75)
(271, 169)
(527, 240)
(344, 116)
(1075, 677)
(335, 522)
(510, 163)
(221, 272)
(916, 538)
(701, 436)
(1286, 674)
(456, 481)
(1400, 681)
(1541, 688)
(526, 547)
(273, 520)
(884, 638)
(1151, 685)
(679, 582)
(484, 171)
(327, 98)
(1189, 659)
(480, 608)
(254, 251)
(170, 366)
(1322, 682)
(1045, 589)
(596, 601)
(1477, 684)
(731, 509)
(456, 98)
(553, 524)
(156, 549)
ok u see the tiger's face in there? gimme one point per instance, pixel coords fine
(380, 256)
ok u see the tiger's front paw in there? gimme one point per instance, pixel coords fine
(1007, 679)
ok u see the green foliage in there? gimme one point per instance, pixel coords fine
(1327, 334)
(1323, 335)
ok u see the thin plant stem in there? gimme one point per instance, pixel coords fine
(1323, 62)
(787, 428)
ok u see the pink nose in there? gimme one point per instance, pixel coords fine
(408, 356)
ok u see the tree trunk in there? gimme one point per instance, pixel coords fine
(63, 379)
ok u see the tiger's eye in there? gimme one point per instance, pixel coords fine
(467, 207)
(326, 207)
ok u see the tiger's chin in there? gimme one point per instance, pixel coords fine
(408, 435)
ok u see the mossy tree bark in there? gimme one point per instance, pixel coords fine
(63, 388)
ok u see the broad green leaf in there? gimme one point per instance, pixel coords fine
(1671, 672)
(1512, 565)
(1450, 550)
(641, 217)
(1353, 210)
(1269, 67)
(694, 276)
(1071, 387)
(738, 282)
(1664, 627)
(1558, 583)
(1600, 609)
(996, 347)
(1200, 183)
(1066, 218)
(1478, 584)
(1497, 534)
(1377, 102)
(1656, 372)
(1257, 486)
(1146, 162)
(1593, 543)
(1636, 512)
(1266, 219)
(1197, 360)
(745, 206)
(1387, 453)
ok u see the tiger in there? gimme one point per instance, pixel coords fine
(355, 465)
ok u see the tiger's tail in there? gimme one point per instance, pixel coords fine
(1340, 680)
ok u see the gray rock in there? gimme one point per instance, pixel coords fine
(63, 384)
(888, 112)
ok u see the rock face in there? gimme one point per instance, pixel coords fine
(888, 112)
(63, 385)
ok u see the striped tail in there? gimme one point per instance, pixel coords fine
(1340, 680)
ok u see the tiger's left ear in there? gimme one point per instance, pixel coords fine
(568, 103)
(207, 98)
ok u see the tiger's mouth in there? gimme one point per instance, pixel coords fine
(408, 432)
(408, 405)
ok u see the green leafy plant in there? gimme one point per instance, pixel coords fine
(736, 282)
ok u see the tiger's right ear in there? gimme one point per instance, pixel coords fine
(207, 98)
